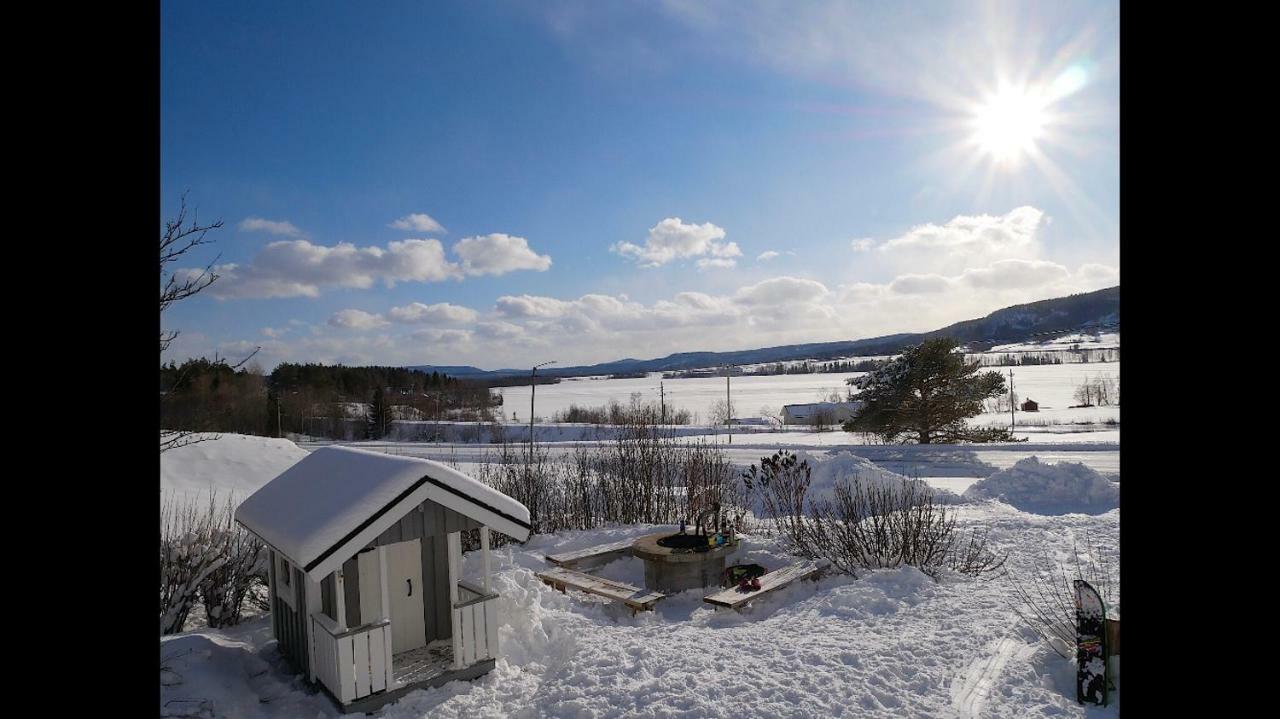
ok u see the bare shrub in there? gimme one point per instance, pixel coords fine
(642, 475)
(1044, 597)
(868, 524)
(191, 548)
(781, 482)
(224, 590)
(204, 557)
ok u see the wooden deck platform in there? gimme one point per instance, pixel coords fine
(425, 662)
(592, 556)
(770, 582)
(636, 598)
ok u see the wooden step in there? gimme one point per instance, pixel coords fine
(634, 597)
(772, 581)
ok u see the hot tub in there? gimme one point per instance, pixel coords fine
(676, 562)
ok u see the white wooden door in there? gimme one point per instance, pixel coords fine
(370, 586)
(404, 586)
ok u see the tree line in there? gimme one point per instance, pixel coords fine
(333, 401)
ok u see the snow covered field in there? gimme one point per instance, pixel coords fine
(1050, 385)
(891, 643)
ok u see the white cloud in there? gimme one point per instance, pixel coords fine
(862, 244)
(968, 240)
(356, 320)
(1015, 274)
(503, 331)
(1099, 276)
(673, 239)
(439, 337)
(707, 263)
(598, 327)
(418, 222)
(781, 291)
(920, 284)
(498, 254)
(416, 312)
(767, 255)
(530, 306)
(298, 268)
(275, 227)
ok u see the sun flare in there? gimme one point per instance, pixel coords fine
(1007, 125)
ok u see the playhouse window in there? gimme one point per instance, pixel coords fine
(285, 574)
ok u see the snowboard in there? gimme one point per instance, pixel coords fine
(1092, 662)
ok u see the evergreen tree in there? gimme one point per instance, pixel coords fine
(926, 393)
(379, 416)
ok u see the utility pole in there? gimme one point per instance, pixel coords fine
(1012, 422)
(728, 403)
(533, 387)
(662, 398)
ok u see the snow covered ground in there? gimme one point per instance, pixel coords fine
(891, 643)
(1050, 385)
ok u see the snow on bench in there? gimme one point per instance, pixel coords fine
(768, 582)
(634, 597)
(592, 555)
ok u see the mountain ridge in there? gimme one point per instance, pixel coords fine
(1016, 323)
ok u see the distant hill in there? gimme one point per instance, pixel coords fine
(1034, 321)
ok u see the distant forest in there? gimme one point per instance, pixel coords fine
(318, 400)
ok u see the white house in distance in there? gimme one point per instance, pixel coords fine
(832, 412)
(365, 550)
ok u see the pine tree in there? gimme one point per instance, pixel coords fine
(927, 392)
(378, 417)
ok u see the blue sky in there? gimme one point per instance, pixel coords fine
(498, 183)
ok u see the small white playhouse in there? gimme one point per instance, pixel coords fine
(367, 595)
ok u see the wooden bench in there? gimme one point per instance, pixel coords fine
(634, 597)
(769, 582)
(592, 556)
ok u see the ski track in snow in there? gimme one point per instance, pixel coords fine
(970, 691)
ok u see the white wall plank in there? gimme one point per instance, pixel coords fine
(360, 645)
(346, 669)
(491, 627)
(377, 661)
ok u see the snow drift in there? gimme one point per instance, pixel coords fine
(835, 466)
(232, 464)
(1043, 488)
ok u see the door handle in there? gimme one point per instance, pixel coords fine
(410, 583)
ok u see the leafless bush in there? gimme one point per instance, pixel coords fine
(204, 557)
(868, 524)
(1044, 597)
(781, 482)
(643, 475)
(192, 546)
(224, 590)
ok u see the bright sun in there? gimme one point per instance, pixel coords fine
(1007, 125)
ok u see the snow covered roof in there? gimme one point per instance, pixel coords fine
(336, 500)
(814, 406)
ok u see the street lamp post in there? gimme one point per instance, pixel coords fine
(533, 388)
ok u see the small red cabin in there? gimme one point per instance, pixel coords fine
(1030, 406)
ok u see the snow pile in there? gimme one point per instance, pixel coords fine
(1043, 488)
(232, 464)
(838, 465)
